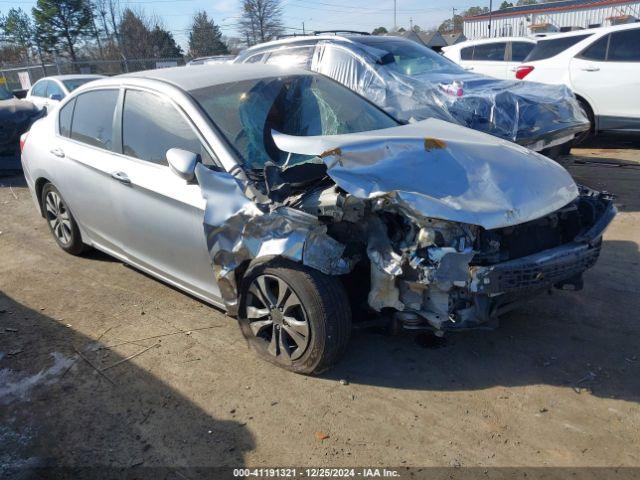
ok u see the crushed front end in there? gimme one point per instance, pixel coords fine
(456, 276)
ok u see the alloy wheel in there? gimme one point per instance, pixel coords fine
(276, 317)
(58, 217)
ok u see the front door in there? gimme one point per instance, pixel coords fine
(163, 213)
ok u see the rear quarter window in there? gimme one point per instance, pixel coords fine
(550, 48)
(65, 118)
(520, 50)
(466, 53)
(597, 51)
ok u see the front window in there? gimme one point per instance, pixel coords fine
(303, 105)
(410, 58)
(73, 83)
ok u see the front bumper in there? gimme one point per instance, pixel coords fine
(495, 289)
(546, 268)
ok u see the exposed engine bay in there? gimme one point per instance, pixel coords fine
(442, 275)
(440, 238)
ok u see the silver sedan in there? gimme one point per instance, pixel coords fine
(284, 198)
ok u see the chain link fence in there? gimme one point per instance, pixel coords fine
(21, 77)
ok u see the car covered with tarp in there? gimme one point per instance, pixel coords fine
(412, 83)
(16, 116)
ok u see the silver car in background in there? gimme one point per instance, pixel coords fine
(285, 199)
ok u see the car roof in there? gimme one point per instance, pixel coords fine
(71, 77)
(591, 31)
(210, 75)
(298, 39)
(481, 41)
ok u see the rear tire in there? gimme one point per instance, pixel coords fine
(584, 136)
(293, 316)
(61, 223)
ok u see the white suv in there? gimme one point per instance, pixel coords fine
(601, 66)
(496, 57)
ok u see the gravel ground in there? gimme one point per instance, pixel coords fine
(557, 384)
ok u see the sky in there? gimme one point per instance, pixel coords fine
(362, 15)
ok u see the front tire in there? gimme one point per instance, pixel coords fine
(293, 316)
(61, 223)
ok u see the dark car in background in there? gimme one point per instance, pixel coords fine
(16, 116)
(412, 82)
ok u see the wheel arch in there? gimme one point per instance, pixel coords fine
(39, 186)
(583, 101)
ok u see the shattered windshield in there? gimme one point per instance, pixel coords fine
(409, 58)
(303, 105)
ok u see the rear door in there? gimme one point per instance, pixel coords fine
(163, 213)
(85, 143)
(490, 59)
(607, 75)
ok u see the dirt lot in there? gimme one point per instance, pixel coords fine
(557, 384)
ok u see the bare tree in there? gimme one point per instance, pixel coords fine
(261, 20)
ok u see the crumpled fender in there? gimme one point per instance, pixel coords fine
(238, 231)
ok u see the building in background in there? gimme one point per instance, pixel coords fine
(561, 16)
(453, 38)
(433, 40)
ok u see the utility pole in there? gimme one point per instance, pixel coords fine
(411, 23)
(490, 11)
(453, 19)
(395, 15)
(303, 31)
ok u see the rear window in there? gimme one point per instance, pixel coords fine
(466, 53)
(550, 48)
(73, 83)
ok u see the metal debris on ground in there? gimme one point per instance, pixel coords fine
(93, 366)
(130, 357)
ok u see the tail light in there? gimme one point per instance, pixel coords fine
(23, 140)
(523, 71)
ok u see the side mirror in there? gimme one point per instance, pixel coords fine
(183, 163)
(55, 96)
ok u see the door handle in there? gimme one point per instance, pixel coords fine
(590, 69)
(468, 68)
(121, 177)
(58, 152)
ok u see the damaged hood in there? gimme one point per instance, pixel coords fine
(436, 169)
